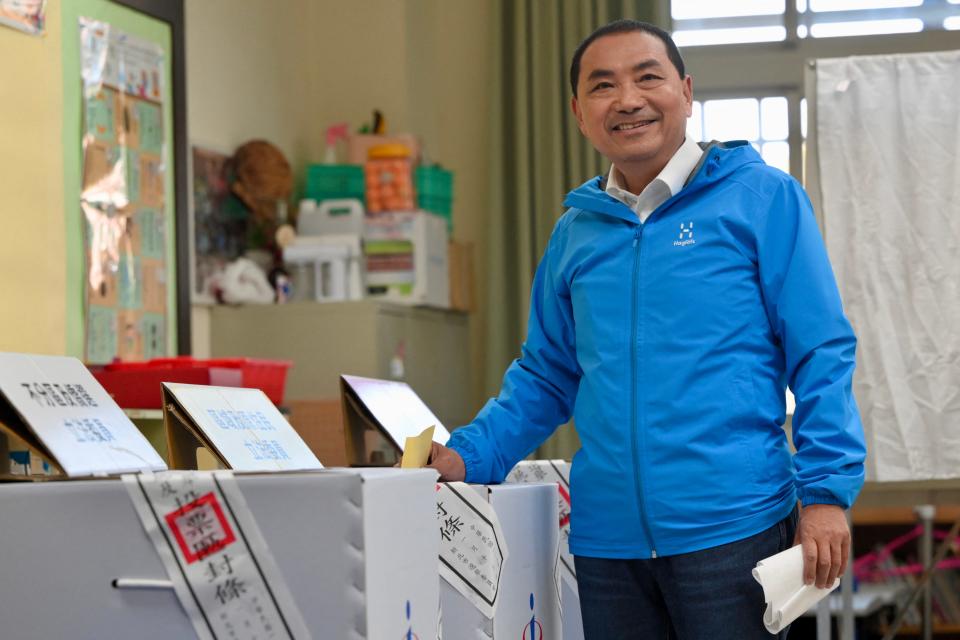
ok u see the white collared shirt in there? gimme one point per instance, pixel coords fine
(667, 183)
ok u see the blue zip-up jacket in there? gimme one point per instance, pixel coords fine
(671, 343)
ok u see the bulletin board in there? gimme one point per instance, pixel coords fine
(122, 195)
(129, 310)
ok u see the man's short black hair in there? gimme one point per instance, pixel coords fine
(625, 26)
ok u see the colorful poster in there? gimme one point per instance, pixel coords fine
(28, 16)
(122, 195)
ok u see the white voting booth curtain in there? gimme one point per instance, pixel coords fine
(888, 137)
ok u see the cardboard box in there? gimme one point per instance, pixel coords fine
(462, 285)
(358, 552)
(320, 424)
(418, 279)
(529, 577)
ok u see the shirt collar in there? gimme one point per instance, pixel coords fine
(674, 175)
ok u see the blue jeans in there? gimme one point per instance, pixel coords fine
(704, 595)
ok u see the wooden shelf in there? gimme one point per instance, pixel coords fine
(917, 631)
(900, 515)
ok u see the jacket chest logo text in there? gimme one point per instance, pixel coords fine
(686, 235)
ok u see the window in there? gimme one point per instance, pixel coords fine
(704, 22)
(835, 18)
(695, 37)
(693, 9)
(952, 23)
(761, 121)
(707, 22)
(855, 5)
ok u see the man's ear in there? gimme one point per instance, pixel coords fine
(688, 94)
(575, 107)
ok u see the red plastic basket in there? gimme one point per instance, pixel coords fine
(136, 385)
(257, 373)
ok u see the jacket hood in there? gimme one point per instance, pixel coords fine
(719, 160)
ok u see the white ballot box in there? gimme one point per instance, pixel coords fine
(356, 551)
(557, 471)
(400, 548)
(528, 598)
(572, 619)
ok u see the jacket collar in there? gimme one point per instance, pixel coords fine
(719, 160)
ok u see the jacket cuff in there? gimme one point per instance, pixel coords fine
(812, 496)
(471, 459)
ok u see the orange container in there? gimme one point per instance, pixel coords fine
(388, 176)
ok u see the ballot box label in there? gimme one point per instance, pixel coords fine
(472, 545)
(220, 566)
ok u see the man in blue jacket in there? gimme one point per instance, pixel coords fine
(678, 296)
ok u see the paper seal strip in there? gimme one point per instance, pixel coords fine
(215, 556)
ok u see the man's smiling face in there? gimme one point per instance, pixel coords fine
(631, 103)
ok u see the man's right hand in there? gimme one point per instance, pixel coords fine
(447, 462)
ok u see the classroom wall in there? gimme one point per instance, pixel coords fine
(249, 73)
(32, 267)
(450, 78)
(245, 68)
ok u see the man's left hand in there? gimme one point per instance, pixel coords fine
(825, 537)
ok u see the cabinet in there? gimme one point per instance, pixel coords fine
(425, 347)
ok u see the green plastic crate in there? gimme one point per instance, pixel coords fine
(334, 181)
(434, 188)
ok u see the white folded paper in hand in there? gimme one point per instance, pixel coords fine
(781, 577)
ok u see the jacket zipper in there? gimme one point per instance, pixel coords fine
(634, 360)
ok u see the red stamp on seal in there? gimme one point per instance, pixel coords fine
(200, 528)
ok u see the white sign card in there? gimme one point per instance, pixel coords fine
(57, 400)
(240, 426)
(472, 545)
(220, 566)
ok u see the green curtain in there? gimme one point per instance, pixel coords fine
(537, 156)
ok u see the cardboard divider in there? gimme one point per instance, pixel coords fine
(378, 417)
(367, 442)
(357, 420)
(53, 409)
(239, 428)
(14, 432)
(184, 437)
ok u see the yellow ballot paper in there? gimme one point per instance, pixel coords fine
(416, 450)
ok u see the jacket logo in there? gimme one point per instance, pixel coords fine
(686, 235)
